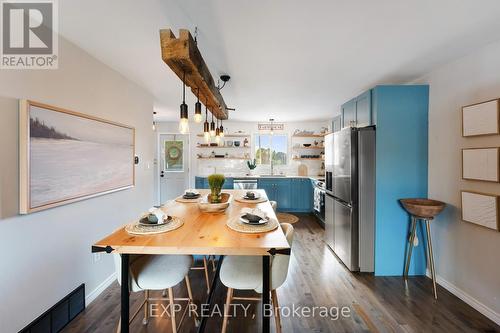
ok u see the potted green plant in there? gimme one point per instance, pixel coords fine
(215, 182)
(252, 164)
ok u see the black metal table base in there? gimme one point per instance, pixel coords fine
(266, 303)
(209, 299)
(125, 303)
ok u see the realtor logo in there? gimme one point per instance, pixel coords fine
(29, 37)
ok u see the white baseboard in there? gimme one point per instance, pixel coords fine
(480, 307)
(100, 288)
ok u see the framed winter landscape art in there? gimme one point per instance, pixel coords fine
(65, 156)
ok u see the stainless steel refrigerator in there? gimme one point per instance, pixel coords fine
(350, 196)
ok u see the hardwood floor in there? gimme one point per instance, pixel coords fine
(316, 278)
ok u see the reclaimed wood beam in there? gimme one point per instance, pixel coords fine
(184, 58)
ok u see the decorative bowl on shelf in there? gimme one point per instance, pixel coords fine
(207, 206)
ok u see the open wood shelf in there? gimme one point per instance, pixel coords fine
(229, 135)
(219, 147)
(222, 158)
(308, 158)
(310, 135)
(299, 148)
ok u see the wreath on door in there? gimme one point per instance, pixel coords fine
(173, 152)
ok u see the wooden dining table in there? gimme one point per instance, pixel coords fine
(201, 234)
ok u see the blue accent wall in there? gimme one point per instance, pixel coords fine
(401, 116)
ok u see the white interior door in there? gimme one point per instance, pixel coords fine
(174, 165)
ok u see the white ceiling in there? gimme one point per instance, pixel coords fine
(292, 60)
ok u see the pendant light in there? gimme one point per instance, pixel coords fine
(184, 122)
(197, 109)
(154, 122)
(206, 126)
(212, 127)
(221, 130)
(217, 132)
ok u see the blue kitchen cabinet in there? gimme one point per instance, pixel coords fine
(283, 194)
(202, 183)
(277, 189)
(349, 113)
(358, 111)
(268, 186)
(364, 109)
(199, 182)
(228, 184)
(301, 195)
(401, 117)
(337, 123)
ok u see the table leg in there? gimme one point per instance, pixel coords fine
(266, 303)
(209, 299)
(125, 294)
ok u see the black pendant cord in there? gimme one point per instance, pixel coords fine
(184, 87)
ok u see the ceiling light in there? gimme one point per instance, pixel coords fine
(184, 122)
(197, 109)
(221, 130)
(212, 127)
(206, 126)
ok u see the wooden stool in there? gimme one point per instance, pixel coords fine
(422, 209)
(430, 255)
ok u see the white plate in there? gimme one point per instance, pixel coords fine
(166, 220)
(261, 222)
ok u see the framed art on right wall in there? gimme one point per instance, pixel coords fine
(481, 209)
(481, 119)
(481, 164)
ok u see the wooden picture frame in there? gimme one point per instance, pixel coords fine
(481, 209)
(66, 156)
(481, 164)
(481, 118)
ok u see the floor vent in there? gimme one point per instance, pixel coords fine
(58, 316)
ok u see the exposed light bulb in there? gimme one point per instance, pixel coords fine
(154, 126)
(184, 126)
(206, 136)
(198, 117)
(217, 139)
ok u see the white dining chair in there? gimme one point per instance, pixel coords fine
(274, 204)
(245, 273)
(205, 269)
(158, 272)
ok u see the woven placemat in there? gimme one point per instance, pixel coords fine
(239, 226)
(183, 200)
(256, 201)
(139, 229)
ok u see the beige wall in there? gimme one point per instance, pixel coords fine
(45, 255)
(467, 256)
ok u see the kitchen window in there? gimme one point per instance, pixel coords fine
(267, 145)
